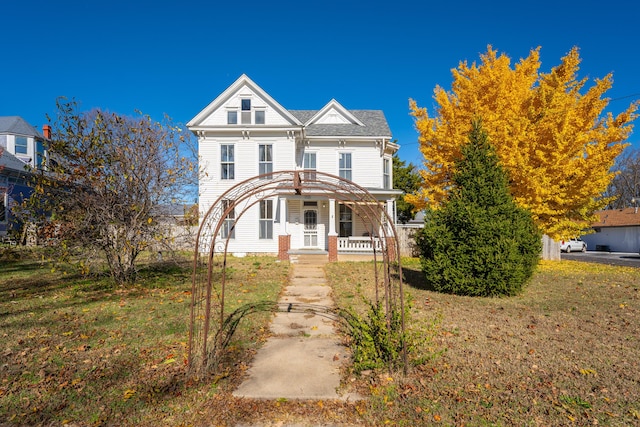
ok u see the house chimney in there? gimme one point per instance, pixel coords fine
(46, 131)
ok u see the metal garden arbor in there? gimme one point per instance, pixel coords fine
(211, 326)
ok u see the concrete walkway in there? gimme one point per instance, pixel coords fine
(302, 359)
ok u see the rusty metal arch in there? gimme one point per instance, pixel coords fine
(208, 292)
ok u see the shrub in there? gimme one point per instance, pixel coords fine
(479, 243)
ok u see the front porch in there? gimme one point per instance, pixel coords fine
(320, 224)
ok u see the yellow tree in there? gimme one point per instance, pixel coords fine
(554, 141)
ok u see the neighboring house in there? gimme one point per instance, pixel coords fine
(616, 230)
(244, 132)
(21, 150)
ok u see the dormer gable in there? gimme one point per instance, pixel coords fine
(334, 113)
(243, 104)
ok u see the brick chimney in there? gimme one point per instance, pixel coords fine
(46, 131)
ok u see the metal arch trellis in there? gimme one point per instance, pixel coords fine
(208, 288)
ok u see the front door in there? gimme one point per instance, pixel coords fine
(311, 228)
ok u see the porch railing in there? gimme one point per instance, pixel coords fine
(359, 244)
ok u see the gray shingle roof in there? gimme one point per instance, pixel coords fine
(9, 162)
(16, 125)
(375, 124)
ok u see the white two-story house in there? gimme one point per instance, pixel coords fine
(244, 133)
(22, 150)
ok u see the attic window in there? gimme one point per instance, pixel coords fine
(259, 117)
(246, 112)
(232, 117)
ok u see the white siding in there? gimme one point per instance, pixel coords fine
(219, 117)
(366, 161)
(246, 166)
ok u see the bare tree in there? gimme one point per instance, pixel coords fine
(108, 175)
(626, 185)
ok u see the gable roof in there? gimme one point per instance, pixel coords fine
(617, 218)
(16, 125)
(373, 122)
(334, 113)
(316, 123)
(242, 81)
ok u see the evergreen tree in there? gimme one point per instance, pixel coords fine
(480, 242)
(407, 179)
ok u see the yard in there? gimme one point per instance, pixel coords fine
(78, 351)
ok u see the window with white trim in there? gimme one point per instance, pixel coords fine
(232, 117)
(266, 219)
(346, 221)
(309, 165)
(386, 174)
(259, 117)
(344, 165)
(21, 145)
(227, 231)
(41, 155)
(227, 162)
(245, 113)
(265, 160)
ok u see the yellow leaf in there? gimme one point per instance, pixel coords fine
(128, 394)
(167, 361)
(541, 126)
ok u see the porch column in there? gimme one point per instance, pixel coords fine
(284, 239)
(391, 211)
(332, 217)
(333, 236)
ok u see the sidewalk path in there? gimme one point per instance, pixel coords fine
(302, 359)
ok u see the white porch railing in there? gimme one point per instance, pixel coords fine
(359, 244)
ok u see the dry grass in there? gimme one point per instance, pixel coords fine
(81, 352)
(565, 352)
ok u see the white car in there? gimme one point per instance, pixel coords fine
(573, 245)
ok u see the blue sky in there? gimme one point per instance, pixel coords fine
(175, 57)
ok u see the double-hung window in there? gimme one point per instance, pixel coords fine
(346, 221)
(309, 165)
(386, 173)
(227, 162)
(227, 231)
(265, 160)
(21, 145)
(40, 154)
(266, 219)
(344, 165)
